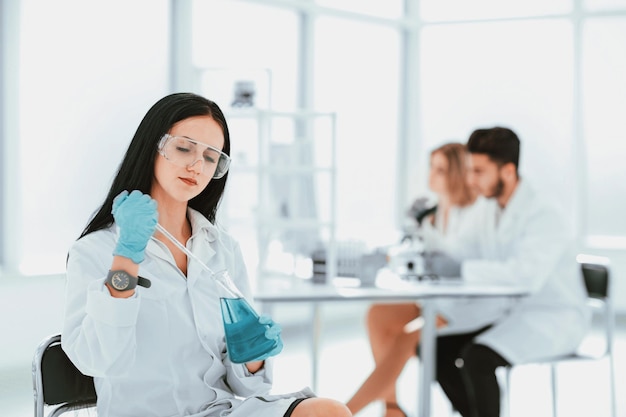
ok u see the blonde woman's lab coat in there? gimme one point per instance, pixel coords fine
(527, 244)
(162, 352)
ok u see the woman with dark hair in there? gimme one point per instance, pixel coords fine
(394, 328)
(143, 315)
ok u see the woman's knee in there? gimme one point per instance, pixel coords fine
(321, 407)
(376, 312)
(391, 317)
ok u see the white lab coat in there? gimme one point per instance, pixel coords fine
(462, 314)
(162, 352)
(527, 244)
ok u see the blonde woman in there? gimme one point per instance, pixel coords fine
(392, 342)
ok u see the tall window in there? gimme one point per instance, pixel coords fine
(234, 39)
(552, 71)
(361, 85)
(516, 74)
(604, 106)
(331, 61)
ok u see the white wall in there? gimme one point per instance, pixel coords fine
(31, 309)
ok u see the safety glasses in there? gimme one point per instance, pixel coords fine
(185, 152)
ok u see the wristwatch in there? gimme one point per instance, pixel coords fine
(122, 280)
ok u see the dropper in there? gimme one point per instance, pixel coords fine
(222, 278)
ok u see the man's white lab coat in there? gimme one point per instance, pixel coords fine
(463, 314)
(527, 244)
(162, 352)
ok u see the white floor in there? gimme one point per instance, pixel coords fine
(345, 361)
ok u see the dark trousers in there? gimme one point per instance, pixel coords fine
(466, 373)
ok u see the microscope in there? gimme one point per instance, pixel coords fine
(409, 259)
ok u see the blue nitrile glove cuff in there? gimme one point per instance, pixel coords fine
(137, 255)
(136, 216)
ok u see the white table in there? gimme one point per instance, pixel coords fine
(281, 291)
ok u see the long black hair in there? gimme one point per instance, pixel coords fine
(136, 171)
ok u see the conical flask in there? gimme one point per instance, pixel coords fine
(245, 336)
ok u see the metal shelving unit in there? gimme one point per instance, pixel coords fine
(286, 163)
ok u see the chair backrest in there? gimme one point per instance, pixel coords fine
(56, 381)
(596, 275)
(596, 278)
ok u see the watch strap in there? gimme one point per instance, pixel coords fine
(144, 282)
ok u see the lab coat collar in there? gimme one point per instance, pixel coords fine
(201, 228)
(522, 196)
(200, 224)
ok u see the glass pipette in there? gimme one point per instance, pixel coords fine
(222, 278)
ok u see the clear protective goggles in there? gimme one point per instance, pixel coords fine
(185, 152)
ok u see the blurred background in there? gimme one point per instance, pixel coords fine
(333, 106)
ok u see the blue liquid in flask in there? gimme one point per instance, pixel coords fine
(245, 336)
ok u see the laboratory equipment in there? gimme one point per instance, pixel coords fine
(245, 336)
(410, 259)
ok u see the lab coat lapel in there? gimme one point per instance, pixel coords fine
(200, 247)
(159, 250)
(510, 222)
(489, 231)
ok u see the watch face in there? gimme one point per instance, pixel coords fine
(120, 281)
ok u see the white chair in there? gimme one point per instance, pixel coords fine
(596, 275)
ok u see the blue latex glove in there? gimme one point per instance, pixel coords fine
(136, 216)
(272, 333)
(443, 265)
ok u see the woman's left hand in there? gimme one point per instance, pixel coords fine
(272, 333)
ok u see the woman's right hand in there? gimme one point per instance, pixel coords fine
(136, 216)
